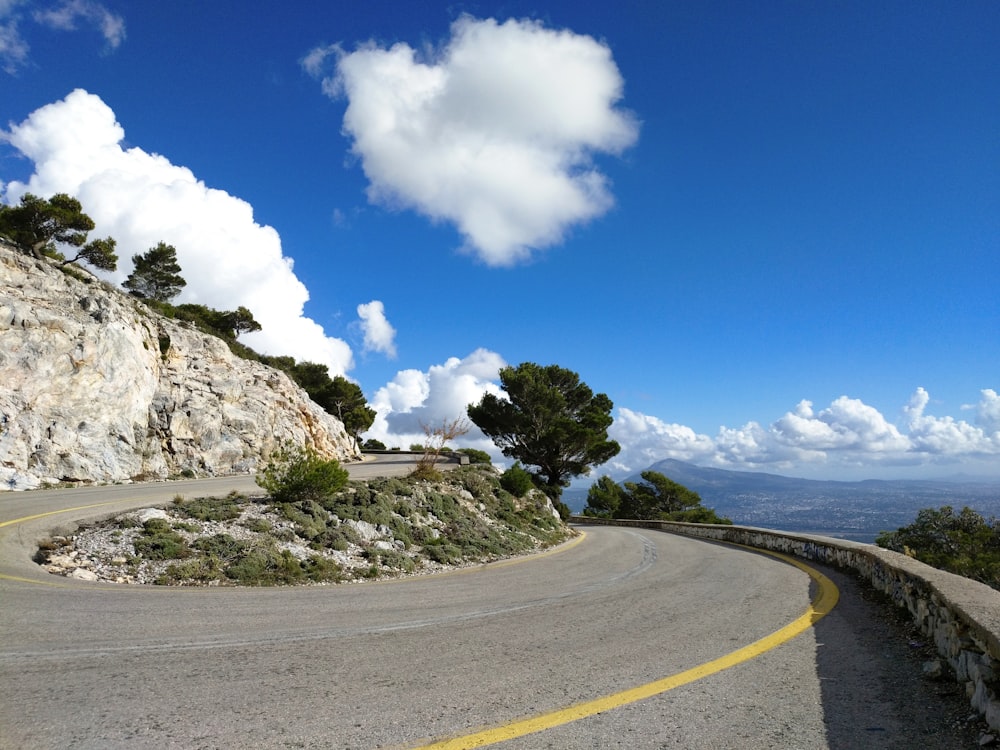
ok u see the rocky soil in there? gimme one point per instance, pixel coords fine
(412, 528)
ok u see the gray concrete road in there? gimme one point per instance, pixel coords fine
(398, 664)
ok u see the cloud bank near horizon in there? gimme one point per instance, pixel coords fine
(848, 435)
(494, 133)
(140, 199)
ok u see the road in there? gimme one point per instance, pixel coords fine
(403, 663)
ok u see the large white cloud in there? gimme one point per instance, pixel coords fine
(847, 435)
(415, 399)
(495, 132)
(141, 199)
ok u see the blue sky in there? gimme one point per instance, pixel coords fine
(770, 232)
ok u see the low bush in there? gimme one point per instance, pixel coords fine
(158, 541)
(517, 481)
(296, 474)
(211, 508)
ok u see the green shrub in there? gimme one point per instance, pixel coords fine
(963, 542)
(258, 525)
(197, 570)
(211, 508)
(221, 546)
(158, 541)
(476, 456)
(296, 474)
(319, 569)
(517, 481)
(265, 565)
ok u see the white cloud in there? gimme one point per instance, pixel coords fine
(140, 199)
(847, 435)
(63, 16)
(414, 399)
(494, 133)
(13, 47)
(380, 336)
(988, 412)
(846, 440)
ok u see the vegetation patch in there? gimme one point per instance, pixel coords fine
(353, 531)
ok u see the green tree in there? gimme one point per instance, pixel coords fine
(551, 421)
(156, 274)
(654, 498)
(226, 324)
(295, 474)
(657, 497)
(604, 498)
(240, 321)
(351, 407)
(98, 253)
(337, 395)
(964, 543)
(39, 227)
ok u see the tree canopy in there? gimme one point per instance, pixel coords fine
(156, 274)
(39, 227)
(550, 420)
(656, 497)
(226, 324)
(337, 395)
(964, 543)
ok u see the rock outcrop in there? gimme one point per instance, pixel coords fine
(96, 387)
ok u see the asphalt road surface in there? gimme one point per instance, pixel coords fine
(461, 656)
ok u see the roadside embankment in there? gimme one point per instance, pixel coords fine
(960, 616)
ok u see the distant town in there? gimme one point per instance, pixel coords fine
(858, 511)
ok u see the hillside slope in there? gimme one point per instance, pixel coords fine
(95, 387)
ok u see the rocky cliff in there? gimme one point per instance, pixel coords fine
(95, 387)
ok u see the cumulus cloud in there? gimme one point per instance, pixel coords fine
(63, 16)
(495, 132)
(380, 336)
(847, 439)
(141, 199)
(848, 434)
(415, 398)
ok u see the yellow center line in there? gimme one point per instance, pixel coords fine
(826, 599)
(57, 512)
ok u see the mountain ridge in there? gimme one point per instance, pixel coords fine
(857, 510)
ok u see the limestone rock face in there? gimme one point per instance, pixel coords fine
(96, 387)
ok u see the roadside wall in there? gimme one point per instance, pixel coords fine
(960, 616)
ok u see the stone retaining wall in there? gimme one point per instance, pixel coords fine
(961, 616)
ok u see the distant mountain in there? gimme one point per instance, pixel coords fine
(854, 510)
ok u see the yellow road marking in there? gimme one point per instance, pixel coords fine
(826, 599)
(57, 512)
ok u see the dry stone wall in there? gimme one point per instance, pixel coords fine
(961, 616)
(95, 387)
